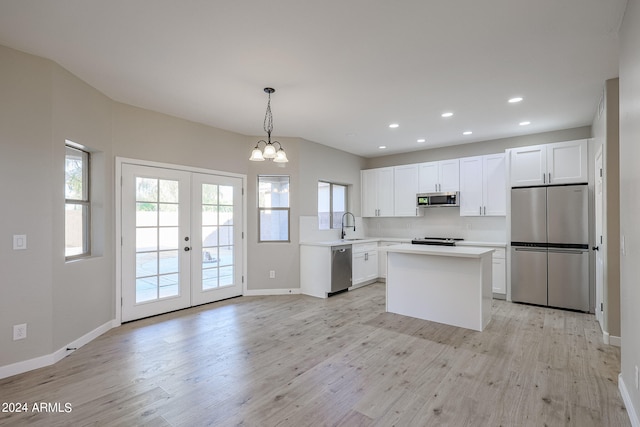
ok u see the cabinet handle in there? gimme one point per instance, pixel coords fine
(485, 210)
(549, 177)
(366, 256)
(544, 178)
(480, 210)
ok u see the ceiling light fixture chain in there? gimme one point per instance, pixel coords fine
(268, 117)
(270, 151)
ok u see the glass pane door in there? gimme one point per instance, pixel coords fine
(217, 228)
(156, 241)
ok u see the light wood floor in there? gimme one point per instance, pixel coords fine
(301, 361)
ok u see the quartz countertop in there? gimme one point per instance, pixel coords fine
(355, 241)
(451, 251)
(398, 240)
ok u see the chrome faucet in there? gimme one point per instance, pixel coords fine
(347, 226)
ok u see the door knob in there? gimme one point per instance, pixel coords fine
(596, 248)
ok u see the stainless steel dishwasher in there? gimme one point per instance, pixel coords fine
(340, 268)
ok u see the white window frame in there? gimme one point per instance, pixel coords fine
(84, 202)
(262, 209)
(332, 223)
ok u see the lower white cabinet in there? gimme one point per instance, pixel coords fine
(364, 262)
(499, 272)
(382, 258)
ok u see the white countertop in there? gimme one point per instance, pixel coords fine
(451, 251)
(338, 242)
(398, 240)
(476, 243)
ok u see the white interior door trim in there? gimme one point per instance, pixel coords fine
(118, 219)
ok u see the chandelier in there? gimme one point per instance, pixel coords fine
(270, 152)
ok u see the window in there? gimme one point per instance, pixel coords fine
(332, 204)
(273, 208)
(77, 203)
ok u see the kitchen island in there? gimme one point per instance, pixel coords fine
(450, 285)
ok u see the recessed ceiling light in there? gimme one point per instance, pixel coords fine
(421, 140)
(382, 147)
(394, 125)
(447, 114)
(515, 99)
(524, 123)
(467, 132)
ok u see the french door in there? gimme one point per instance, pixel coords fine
(181, 239)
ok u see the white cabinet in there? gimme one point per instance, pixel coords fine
(558, 163)
(377, 192)
(567, 162)
(382, 258)
(405, 184)
(439, 176)
(483, 185)
(499, 272)
(364, 262)
(315, 270)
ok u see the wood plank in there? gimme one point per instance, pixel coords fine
(297, 360)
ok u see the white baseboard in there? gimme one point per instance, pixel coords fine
(56, 356)
(615, 341)
(263, 292)
(631, 411)
(611, 340)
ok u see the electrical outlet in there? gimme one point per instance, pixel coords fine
(19, 332)
(272, 274)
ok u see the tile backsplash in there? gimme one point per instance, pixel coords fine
(436, 222)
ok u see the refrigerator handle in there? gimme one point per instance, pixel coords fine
(569, 251)
(544, 178)
(530, 249)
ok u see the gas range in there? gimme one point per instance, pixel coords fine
(437, 241)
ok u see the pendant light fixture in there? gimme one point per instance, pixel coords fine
(270, 152)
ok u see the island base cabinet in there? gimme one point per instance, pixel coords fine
(315, 270)
(450, 290)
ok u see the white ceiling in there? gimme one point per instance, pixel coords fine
(343, 70)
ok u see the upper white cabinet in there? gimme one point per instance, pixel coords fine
(439, 176)
(377, 192)
(483, 185)
(558, 163)
(405, 189)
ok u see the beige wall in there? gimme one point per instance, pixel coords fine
(42, 106)
(26, 173)
(83, 292)
(630, 199)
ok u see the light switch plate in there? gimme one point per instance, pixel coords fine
(19, 242)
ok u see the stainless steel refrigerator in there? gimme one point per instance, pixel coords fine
(550, 246)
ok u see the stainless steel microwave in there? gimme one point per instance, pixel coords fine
(436, 200)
